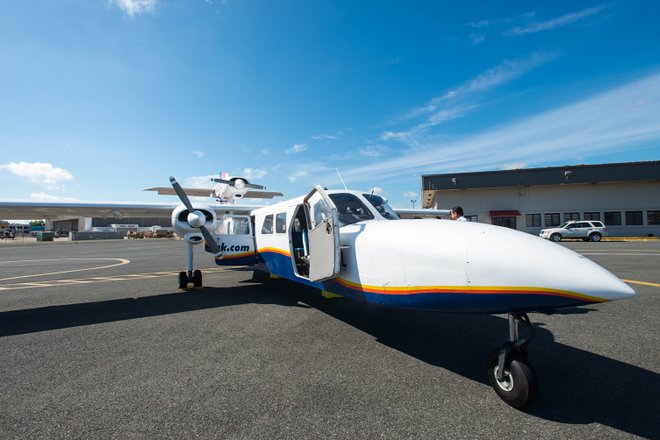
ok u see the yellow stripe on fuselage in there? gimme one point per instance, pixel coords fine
(275, 250)
(474, 290)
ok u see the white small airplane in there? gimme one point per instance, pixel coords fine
(227, 189)
(353, 244)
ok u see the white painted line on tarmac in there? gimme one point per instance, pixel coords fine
(121, 262)
(94, 280)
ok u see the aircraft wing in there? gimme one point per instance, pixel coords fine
(422, 213)
(15, 210)
(169, 191)
(262, 194)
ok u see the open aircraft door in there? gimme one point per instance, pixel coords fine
(323, 226)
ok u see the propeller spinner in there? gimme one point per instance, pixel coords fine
(195, 219)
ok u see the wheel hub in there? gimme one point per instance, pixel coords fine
(506, 384)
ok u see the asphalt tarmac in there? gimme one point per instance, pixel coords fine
(96, 341)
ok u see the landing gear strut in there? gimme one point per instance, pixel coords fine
(194, 277)
(509, 372)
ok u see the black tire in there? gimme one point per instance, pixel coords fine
(555, 237)
(183, 280)
(520, 387)
(595, 237)
(197, 278)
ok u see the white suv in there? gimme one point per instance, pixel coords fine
(587, 230)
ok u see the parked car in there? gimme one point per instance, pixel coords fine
(587, 230)
(7, 234)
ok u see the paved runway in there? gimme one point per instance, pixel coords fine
(96, 341)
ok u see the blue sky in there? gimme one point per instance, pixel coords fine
(102, 98)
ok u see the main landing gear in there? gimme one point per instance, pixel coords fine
(190, 277)
(509, 372)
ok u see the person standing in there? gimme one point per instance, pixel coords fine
(457, 214)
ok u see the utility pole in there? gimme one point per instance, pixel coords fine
(413, 203)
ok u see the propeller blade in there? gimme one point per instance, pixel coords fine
(209, 240)
(226, 182)
(181, 193)
(232, 183)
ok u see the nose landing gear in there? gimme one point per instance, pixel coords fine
(194, 277)
(508, 370)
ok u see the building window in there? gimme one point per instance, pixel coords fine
(634, 218)
(533, 220)
(613, 218)
(472, 218)
(592, 215)
(267, 227)
(507, 222)
(653, 217)
(571, 216)
(551, 219)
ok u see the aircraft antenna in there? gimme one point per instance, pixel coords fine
(342, 180)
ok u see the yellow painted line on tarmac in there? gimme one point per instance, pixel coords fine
(94, 280)
(643, 283)
(121, 262)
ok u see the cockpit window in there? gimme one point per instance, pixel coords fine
(381, 205)
(350, 209)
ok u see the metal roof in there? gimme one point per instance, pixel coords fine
(563, 175)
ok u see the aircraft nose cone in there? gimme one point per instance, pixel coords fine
(510, 258)
(196, 219)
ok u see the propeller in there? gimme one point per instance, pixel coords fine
(196, 218)
(239, 183)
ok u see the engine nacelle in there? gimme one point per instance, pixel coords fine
(186, 224)
(232, 192)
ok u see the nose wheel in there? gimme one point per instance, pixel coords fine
(193, 277)
(187, 278)
(508, 370)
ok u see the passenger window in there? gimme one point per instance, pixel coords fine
(267, 227)
(280, 223)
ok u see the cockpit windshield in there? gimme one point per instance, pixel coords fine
(381, 205)
(350, 209)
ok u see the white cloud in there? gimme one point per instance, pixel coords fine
(199, 154)
(598, 125)
(409, 194)
(457, 102)
(506, 71)
(556, 22)
(254, 173)
(497, 21)
(295, 149)
(328, 137)
(44, 197)
(477, 39)
(297, 175)
(136, 7)
(38, 172)
(200, 181)
(264, 152)
(514, 166)
(377, 190)
(374, 151)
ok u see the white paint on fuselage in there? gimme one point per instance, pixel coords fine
(459, 256)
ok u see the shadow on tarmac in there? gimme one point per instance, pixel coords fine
(577, 387)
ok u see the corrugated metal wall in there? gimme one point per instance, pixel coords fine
(600, 197)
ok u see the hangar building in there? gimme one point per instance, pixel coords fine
(624, 196)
